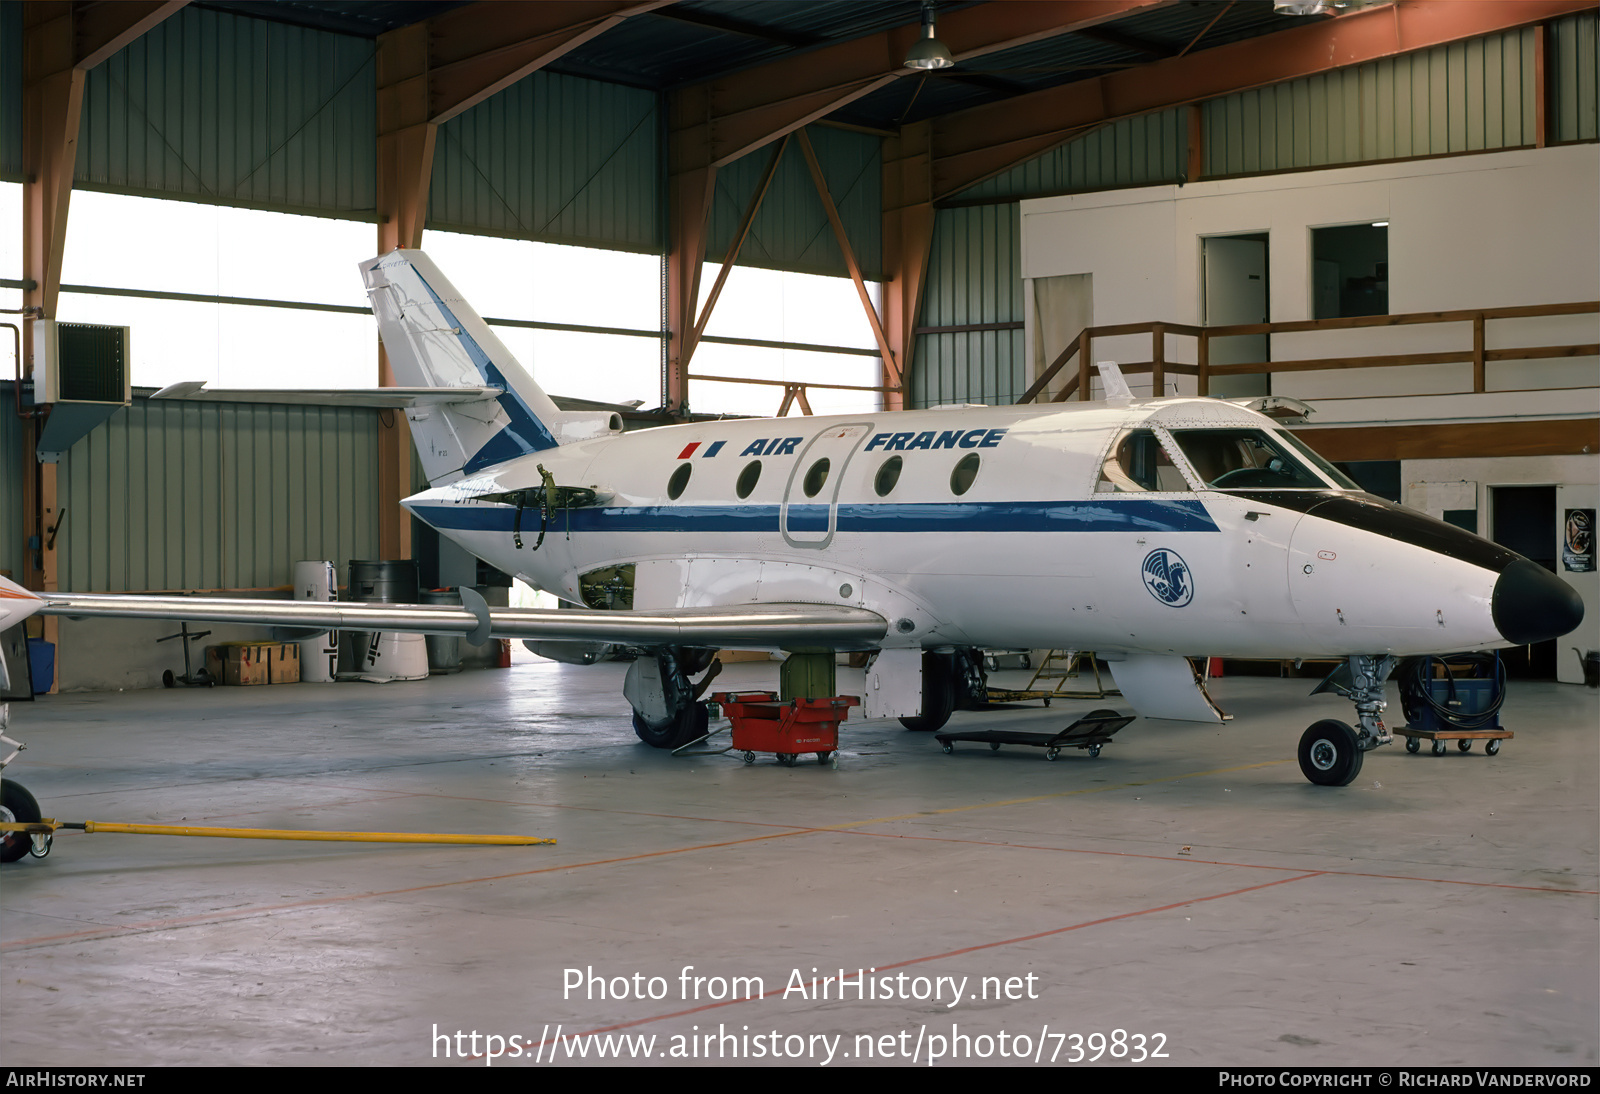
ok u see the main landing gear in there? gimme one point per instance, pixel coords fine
(667, 712)
(1331, 751)
(951, 681)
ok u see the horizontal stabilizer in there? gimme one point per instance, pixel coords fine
(383, 398)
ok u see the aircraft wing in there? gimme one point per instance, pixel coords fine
(746, 626)
(391, 398)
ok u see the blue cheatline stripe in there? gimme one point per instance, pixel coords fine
(525, 433)
(1137, 515)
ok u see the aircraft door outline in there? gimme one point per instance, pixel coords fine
(838, 444)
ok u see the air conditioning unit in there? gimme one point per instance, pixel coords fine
(81, 363)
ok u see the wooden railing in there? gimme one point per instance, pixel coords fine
(1081, 348)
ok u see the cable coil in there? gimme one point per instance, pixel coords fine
(1417, 688)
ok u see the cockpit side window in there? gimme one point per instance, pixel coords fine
(1245, 459)
(1136, 463)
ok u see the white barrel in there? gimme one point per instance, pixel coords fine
(319, 655)
(389, 656)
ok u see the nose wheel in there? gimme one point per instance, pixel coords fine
(17, 806)
(1330, 754)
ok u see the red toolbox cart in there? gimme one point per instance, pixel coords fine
(764, 723)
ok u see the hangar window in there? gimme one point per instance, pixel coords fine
(1350, 270)
(816, 476)
(748, 478)
(888, 475)
(1138, 462)
(966, 471)
(679, 480)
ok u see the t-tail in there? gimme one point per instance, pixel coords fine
(433, 338)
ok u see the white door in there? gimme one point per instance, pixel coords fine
(810, 512)
(1236, 292)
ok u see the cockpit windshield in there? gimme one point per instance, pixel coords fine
(1254, 459)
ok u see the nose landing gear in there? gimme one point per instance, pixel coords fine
(1330, 751)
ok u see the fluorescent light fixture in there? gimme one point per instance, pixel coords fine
(1380, 224)
(929, 53)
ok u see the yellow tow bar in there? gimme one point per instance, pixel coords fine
(49, 827)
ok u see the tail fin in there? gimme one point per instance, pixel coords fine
(434, 339)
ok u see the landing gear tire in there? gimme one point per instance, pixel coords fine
(1413, 745)
(16, 807)
(1492, 747)
(687, 726)
(938, 695)
(1330, 754)
(168, 680)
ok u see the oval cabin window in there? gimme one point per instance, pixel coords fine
(888, 475)
(966, 471)
(748, 478)
(815, 477)
(679, 480)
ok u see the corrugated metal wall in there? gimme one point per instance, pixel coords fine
(974, 276)
(220, 108)
(1574, 62)
(176, 495)
(1132, 152)
(11, 92)
(1465, 97)
(553, 158)
(791, 232)
(14, 466)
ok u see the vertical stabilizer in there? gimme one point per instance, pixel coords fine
(433, 338)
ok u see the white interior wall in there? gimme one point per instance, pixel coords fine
(1491, 230)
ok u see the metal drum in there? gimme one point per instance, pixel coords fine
(444, 650)
(385, 656)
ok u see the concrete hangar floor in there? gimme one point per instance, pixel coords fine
(1187, 887)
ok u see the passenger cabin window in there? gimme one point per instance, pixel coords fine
(816, 477)
(966, 471)
(748, 478)
(679, 480)
(888, 475)
(1248, 459)
(1138, 462)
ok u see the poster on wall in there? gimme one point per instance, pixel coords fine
(1577, 541)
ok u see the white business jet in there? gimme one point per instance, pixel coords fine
(1145, 530)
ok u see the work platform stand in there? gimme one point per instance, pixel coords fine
(1051, 668)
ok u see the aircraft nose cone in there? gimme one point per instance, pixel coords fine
(1531, 604)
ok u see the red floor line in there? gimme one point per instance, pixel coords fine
(967, 949)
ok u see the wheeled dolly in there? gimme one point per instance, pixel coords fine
(1462, 737)
(1090, 733)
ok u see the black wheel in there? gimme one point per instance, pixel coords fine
(1051, 753)
(1413, 745)
(749, 757)
(1440, 748)
(1492, 747)
(16, 807)
(1329, 754)
(688, 726)
(1027, 662)
(822, 757)
(787, 759)
(168, 680)
(994, 746)
(949, 749)
(938, 695)
(1094, 750)
(1465, 744)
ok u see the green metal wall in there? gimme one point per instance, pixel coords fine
(1574, 62)
(553, 158)
(1142, 151)
(176, 495)
(1465, 97)
(228, 110)
(791, 231)
(974, 276)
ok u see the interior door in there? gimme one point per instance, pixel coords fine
(1236, 292)
(809, 515)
